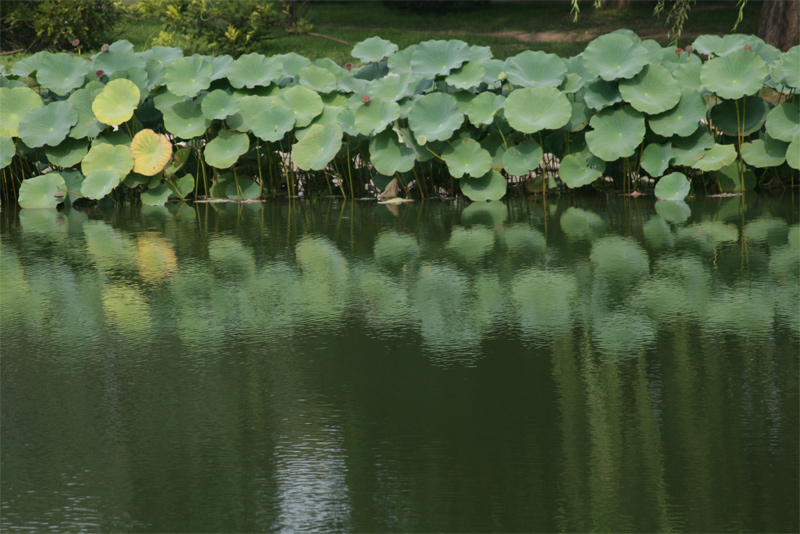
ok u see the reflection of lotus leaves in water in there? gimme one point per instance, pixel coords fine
(155, 257)
(385, 301)
(392, 249)
(109, 248)
(230, 256)
(488, 213)
(662, 299)
(657, 233)
(14, 287)
(127, 310)
(49, 223)
(674, 211)
(784, 262)
(619, 259)
(324, 282)
(267, 301)
(488, 303)
(523, 239)
(708, 234)
(471, 244)
(622, 334)
(544, 302)
(443, 313)
(579, 224)
(204, 308)
(769, 229)
(746, 310)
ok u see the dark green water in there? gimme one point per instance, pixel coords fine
(596, 364)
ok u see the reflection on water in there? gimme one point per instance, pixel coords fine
(582, 365)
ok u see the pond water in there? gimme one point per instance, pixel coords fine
(585, 364)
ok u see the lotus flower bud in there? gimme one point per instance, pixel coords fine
(748, 48)
(365, 99)
(501, 76)
(99, 73)
(104, 48)
(59, 195)
(76, 42)
(348, 66)
(679, 51)
(689, 49)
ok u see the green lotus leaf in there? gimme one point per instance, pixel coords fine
(740, 73)
(494, 72)
(151, 152)
(188, 76)
(601, 94)
(389, 155)
(292, 63)
(534, 69)
(651, 91)
(253, 70)
(691, 148)
(578, 119)
(391, 88)
(373, 50)
(437, 58)
(716, 157)
(156, 196)
(319, 146)
(304, 103)
(220, 66)
(765, 152)
(223, 151)
(99, 183)
(750, 112)
(118, 138)
(467, 76)
(530, 110)
(61, 73)
(7, 151)
(373, 117)
(163, 99)
(491, 186)
(656, 158)
(68, 152)
(242, 189)
(577, 171)
(435, 116)
(572, 83)
(783, 122)
(179, 159)
(182, 187)
(186, 120)
(616, 133)
(683, 119)
(716, 45)
(122, 60)
(272, 123)
(522, 158)
(793, 153)
(247, 108)
(74, 181)
(688, 76)
(466, 157)
(116, 102)
(139, 77)
(400, 62)
(42, 192)
(483, 107)
(673, 186)
(730, 179)
(114, 158)
(14, 105)
(614, 56)
(47, 125)
(791, 74)
(25, 67)
(218, 105)
(162, 54)
(319, 79)
(156, 74)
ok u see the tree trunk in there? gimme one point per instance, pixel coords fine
(779, 24)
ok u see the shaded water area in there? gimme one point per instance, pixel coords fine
(584, 364)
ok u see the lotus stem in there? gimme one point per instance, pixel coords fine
(349, 173)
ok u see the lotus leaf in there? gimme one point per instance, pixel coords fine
(765, 152)
(318, 79)
(533, 109)
(116, 159)
(373, 117)
(619, 259)
(689, 149)
(580, 224)
(614, 56)
(253, 70)
(242, 189)
(602, 94)
(25, 67)
(292, 63)
(522, 158)
(7, 151)
(673, 186)
(151, 152)
(391, 88)
(139, 77)
(47, 125)
(716, 45)
(572, 83)
(14, 105)
(730, 179)
(99, 183)
(40, 192)
(750, 112)
(466, 157)
(435, 116)
(616, 133)
(651, 91)
(339, 73)
(318, 147)
(163, 99)
(156, 196)
(225, 149)
(688, 76)
(740, 73)
(783, 122)
(111, 62)
(534, 69)
(188, 76)
(577, 171)
(117, 138)
(162, 54)
(389, 155)
(656, 158)
(156, 74)
(185, 120)
(218, 105)
(483, 107)
(437, 58)
(683, 119)
(182, 187)
(793, 153)
(272, 123)
(304, 103)
(716, 157)
(74, 181)
(68, 152)
(400, 62)
(61, 73)
(247, 109)
(491, 186)
(467, 76)
(116, 102)
(373, 50)
(791, 74)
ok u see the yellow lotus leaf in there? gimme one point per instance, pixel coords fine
(116, 102)
(151, 152)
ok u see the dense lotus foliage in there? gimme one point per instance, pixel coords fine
(438, 117)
